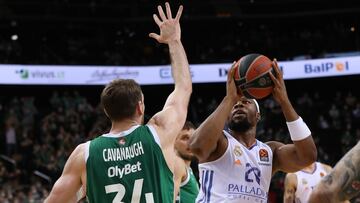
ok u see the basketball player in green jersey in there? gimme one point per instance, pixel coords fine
(186, 185)
(133, 163)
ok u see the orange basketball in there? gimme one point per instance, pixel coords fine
(252, 76)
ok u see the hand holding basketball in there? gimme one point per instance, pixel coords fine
(169, 26)
(231, 89)
(279, 91)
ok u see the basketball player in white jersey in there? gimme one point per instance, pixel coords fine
(299, 185)
(343, 183)
(234, 165)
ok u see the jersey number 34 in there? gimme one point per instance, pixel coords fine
(136, 193)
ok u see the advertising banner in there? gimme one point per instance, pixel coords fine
(157, 75)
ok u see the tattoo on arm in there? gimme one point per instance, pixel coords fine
(348, 179)
(351, 178)
(328, 179)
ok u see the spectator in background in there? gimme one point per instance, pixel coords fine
(3, 173)
(298, 185)
(10, 135)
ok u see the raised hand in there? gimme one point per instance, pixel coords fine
(279, 91)
(231, 89)
(169, 26)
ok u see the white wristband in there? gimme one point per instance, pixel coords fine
(298, 129)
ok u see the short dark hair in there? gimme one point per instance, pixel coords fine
(120, 97)
(188, 125)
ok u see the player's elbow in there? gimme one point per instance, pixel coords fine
(311, 155)
(308, 159)
(307, 152)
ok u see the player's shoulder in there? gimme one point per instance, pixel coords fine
(262, 144)
(78, 156)
(80, 148)
(274, 145)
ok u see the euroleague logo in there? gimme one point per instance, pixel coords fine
(264, 155)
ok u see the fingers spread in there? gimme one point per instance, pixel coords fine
(157, 20)
(161, 13)
(178, 15)
(168, 10)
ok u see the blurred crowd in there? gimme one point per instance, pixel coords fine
(37, 139)
(108, 32)
(37, 142)
(216, 42)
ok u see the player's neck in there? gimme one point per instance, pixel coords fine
(123, 125)
(247, 138)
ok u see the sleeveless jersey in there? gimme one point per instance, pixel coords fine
(128, 167)
(307, 181)
(189, 189)
(240, 175)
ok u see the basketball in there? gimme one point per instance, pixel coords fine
(252, 76)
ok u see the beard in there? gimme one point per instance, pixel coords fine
(239, 126)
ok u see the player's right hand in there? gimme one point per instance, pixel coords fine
(231, 89)
(279, 91)
(169, 26)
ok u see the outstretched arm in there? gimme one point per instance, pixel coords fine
(290, 188)
(291, 157)
(208, 136)
(66, 187)
(343, 183)
(171, 119)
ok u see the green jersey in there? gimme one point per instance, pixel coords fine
(128, 167)
(189, 189)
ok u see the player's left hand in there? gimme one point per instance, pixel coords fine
(279, 92)
(169, 26)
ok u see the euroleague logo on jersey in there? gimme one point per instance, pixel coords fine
(264, 155)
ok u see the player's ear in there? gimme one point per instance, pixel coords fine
(258, 116)
(140, 108)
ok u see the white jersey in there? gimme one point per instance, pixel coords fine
(240, 175)
(307, 181)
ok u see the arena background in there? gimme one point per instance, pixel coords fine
(49, 121)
